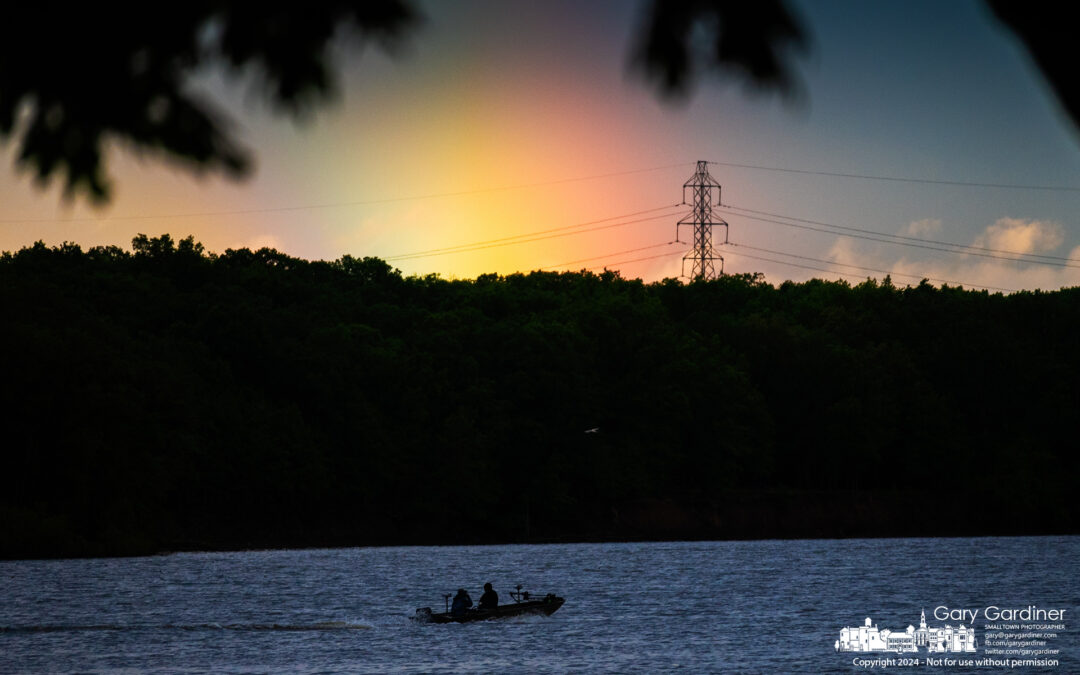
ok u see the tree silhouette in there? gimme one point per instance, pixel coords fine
(170, 397)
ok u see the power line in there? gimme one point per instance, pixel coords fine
(611, 255)
(867, 269)
(494, 243)
(848, 274)
(530, 234)
(791, 264)
(899, 179)
(878, 238)
(367, 202)
(906, 237)
(627, 262)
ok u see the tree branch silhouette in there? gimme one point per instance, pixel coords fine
(1045, 31)
(69, 84)
(751, 40)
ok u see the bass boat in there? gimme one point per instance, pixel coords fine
(524, 603)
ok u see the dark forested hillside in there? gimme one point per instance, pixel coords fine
(170, 398)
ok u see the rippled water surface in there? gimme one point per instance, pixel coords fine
(764, 606)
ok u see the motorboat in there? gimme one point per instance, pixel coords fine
(524, 603)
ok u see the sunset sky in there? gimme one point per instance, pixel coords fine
(502, 119)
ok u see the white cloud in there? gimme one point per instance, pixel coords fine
(908, 266)
(845, 251)
(1022, 236)
(923, 228)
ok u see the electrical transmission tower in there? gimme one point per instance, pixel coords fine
(703, 255)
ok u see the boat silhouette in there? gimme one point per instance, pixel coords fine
(523, 604)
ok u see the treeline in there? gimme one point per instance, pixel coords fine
(169, 398)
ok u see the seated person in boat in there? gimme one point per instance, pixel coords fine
(462, 602)
(490, 599)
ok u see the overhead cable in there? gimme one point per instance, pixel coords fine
(329, 205)
(959, 249)
(870, 269)
(529, 237)
(902, 179)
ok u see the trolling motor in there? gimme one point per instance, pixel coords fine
(519, 595)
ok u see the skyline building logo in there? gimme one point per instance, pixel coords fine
(936, 640)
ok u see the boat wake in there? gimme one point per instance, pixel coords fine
(61, 628)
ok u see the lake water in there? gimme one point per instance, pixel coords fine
(761, 606)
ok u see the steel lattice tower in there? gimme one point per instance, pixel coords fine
(703, 255)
